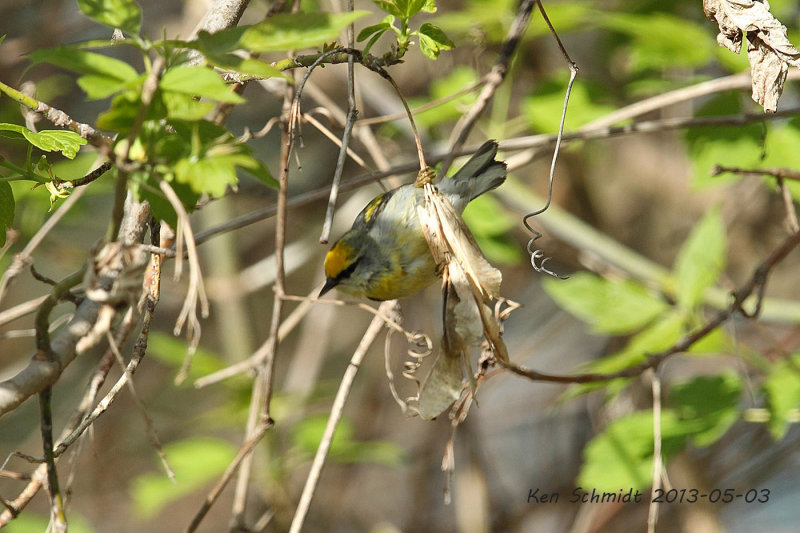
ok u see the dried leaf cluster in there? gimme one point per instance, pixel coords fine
(768, 48)
(470, 285)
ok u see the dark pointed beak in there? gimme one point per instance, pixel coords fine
(329, 284)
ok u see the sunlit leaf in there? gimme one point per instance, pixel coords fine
(307, 435)
(701, 259)
(195, 462)
(123, 14)
(172, 352)
(490, 222)
(661, 40)
(609, 306)
(295, 31)
(586, 103)
(381, 27)
(783, 393)
(64, 141)
(405, 9)
(198, 81)
(72, 58)
(432, 40)
(621, 457)
(98, 87)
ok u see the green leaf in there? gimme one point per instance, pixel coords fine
(708, 405)
(98, 87)
(441, 88)
(195, 461)
(85, 62)
(701, 259)
(247, 66)
(585, 105)
(433, 41)
(209, 175)
(222, 41)
(122, 113)
(609, 306)
(185, 107)
(28, 522)
(397, 8)
(198, 81)
(6, 210)
(782, 388)
(144, 187)
(123, 14)
(66, 142)
(295, 31)
(429, 6)
(781, 151)
(659, 336)
(736, 146)
(490, 222)
(379, 28)
(307, 434)
(172, 352)
(661, 40)
(621, 457)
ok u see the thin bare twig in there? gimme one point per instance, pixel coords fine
(538, 142)
(73, 428)
(58, 518)
(59, 118)
(261, 398)
(352, 114)
(258, 357)
(756, 285)
(573, 71)
(333, 420)
(196, 291)
(244, 451)
(424, 107)
(152, 434)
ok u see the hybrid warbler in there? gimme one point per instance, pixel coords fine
(385, 255)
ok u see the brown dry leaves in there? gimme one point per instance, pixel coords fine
(470, 285)
(768, 48)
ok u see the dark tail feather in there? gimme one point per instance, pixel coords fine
(480, 174)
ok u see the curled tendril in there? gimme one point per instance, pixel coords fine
(538, 255)
(420, 346)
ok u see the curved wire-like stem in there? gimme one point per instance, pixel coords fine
(538, 254)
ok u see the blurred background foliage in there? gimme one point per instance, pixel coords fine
(668, 243)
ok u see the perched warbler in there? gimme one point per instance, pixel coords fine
(384, 255)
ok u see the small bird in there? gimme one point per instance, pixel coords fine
(384, 255)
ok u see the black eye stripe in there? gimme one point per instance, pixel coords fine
(347, 272)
